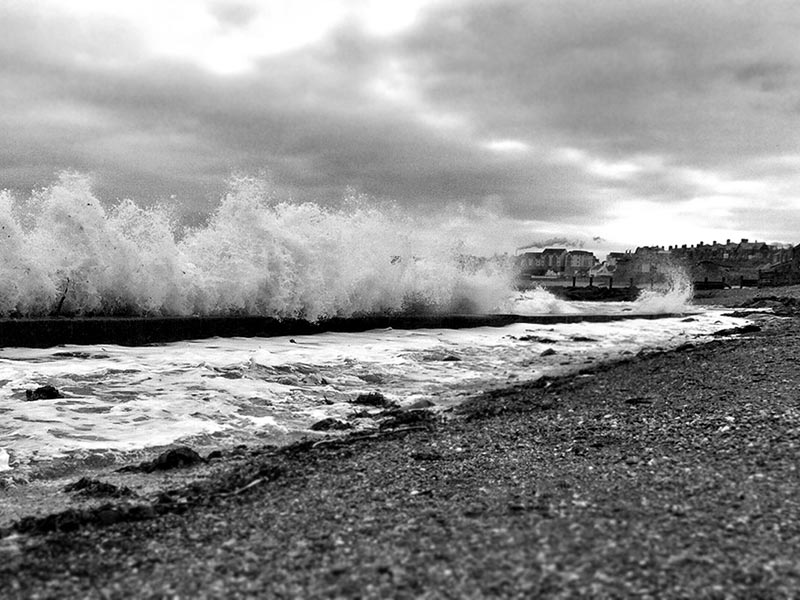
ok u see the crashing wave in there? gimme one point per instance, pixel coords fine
(64, 252)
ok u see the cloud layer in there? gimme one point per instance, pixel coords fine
(637, 122)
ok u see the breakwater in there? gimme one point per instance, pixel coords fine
(135, 331)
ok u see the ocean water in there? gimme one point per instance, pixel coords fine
(66, 252)
(227, 390)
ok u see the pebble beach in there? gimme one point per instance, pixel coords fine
(664, 475)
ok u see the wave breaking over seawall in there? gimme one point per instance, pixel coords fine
(65, 253)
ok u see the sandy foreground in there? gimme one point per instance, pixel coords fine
(669, 475)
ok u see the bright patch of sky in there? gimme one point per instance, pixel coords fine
(597, 166)
(507, 146)
(227, 38)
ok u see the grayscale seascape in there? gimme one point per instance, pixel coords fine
(374, 299)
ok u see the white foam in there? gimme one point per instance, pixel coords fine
(64, 250)
(4, 458)
(133, 397)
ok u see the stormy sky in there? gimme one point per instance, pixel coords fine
(613, 123)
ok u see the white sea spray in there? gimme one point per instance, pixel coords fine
(24, 285)
(119, 398)
(68, 253)
(674, 296)
(64, 251)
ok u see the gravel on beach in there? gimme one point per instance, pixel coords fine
(668, 475)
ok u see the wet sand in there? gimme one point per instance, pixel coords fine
(668, 475)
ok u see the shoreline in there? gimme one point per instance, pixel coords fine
(543, 457)
(26, 485)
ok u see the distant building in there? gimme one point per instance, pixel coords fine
(614, 258)
(558, 262)
(785, 271)
(554, 259)
(530, 264)
(578, 263)
(709, 270)
(732, 261)
(753, 251)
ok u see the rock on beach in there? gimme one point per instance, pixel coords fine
(46, 392)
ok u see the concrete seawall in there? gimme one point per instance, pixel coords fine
(135, 331)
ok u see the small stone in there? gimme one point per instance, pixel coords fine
(548, 352)
(108, 516)
(421, 403)
(182, 456)
(372, 378)
(407, 417)
(375, 399)
(330, 424)
(426, 455)
(636, 400)
(737, 330)
(89, 487)
(141, 512)
(46, 392)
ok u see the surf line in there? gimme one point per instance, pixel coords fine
(137, 331)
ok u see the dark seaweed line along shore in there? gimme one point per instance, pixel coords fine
(669, 475)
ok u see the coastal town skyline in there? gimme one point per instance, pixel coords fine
(748, 262)
(616, 124)
(576, 245)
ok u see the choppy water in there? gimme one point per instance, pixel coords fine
(63, 250)
(124, 398)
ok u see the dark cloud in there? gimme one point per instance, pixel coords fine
(307, 118)
(556, 241)
(616, 78)
(768, 76)
(553, 111)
